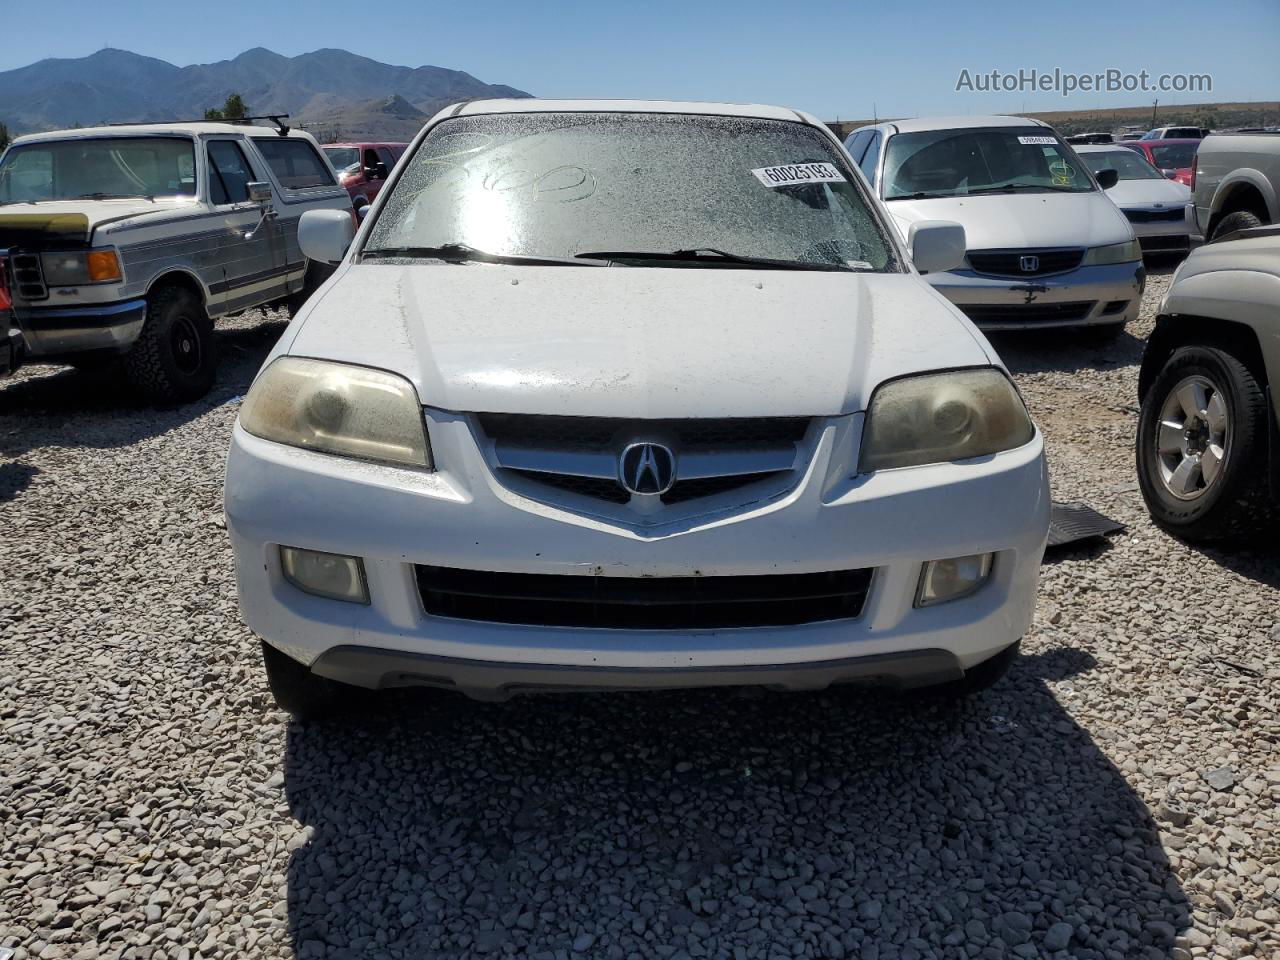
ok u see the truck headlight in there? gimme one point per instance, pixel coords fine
(1113, 253)
(80, 267)
(338, 408)
(937, 417)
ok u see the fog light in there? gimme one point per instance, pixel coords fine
(951, 579)
(325, 574)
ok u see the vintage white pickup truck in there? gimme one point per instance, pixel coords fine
(120, 245)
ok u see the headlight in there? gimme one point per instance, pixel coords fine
(338, 408)
(939, 417)
(1113, 253)
(80, 267)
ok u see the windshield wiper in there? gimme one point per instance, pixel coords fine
(1015, 187)
(116, 196)
(463, 253)
(712, 255)
(919, 195)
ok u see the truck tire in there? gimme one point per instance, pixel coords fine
(302, 694)
(1176, 446)
(1232, 222)
(175, 358)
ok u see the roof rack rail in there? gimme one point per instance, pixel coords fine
(278, 119)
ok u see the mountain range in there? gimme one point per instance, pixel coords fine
(340, 94)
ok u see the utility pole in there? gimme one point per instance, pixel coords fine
(1155, 103)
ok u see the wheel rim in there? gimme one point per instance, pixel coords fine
(1193, 438)
(184, 343)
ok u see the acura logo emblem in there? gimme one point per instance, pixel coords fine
(1029, 264)
(647, 468)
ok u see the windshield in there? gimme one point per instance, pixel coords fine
(1129, 165)
(101, 168)
(553, 185)
(1174, 156)
(955, 163)
(342, 157)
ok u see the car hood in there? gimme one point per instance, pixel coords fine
(637, 342)
(1149, 193)
(1002, 221)
(75, 220)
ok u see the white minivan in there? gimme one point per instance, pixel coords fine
(1047, 248)
(617, 395)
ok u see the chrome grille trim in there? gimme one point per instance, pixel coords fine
(28, 276)
(568, 459)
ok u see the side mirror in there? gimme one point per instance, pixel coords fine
(325, 235)
(1107, 178)
(936, 245)
(380, 170)
(1171, 174)
(259, 191)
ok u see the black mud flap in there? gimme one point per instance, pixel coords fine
(1072, 522)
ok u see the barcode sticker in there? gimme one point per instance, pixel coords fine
(1037, 140)
(794, 173)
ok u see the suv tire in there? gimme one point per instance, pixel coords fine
(175, 357)
(1204, 407)
(302, 694)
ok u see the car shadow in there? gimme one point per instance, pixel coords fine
(1256, 558)
(648, 824)
(59, 406)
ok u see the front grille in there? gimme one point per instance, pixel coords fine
(1029, 313)
(28, 277)
(1155, 216)
(579, 455)
(643, 603)
(1008, 263)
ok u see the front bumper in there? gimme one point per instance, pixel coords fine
(1086, 296)
(1171, 236)
(53, 331)
(462, 517)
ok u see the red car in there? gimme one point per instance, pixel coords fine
(1167, 156)
(363, 167)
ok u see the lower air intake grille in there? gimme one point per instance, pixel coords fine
(1155, 216)
(1029, 313)
(643, 603)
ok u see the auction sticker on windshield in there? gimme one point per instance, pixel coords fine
(793, 173)
(1029, 141)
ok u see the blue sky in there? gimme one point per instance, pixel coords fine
(836, 59)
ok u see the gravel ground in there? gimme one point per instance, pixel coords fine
(1114, 797)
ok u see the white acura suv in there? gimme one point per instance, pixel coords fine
(620, 395)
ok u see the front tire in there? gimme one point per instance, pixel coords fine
(1240, 220)
(175, 356)
(302, 694)
(1201, 445)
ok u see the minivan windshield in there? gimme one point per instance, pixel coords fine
(100, 168)
(632, 189)
(975, 160)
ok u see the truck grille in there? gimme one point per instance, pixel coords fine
(28, 276)
(643, 603)
(580, 455)
(1008, 263)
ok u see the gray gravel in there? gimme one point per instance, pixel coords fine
(1114, 797)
